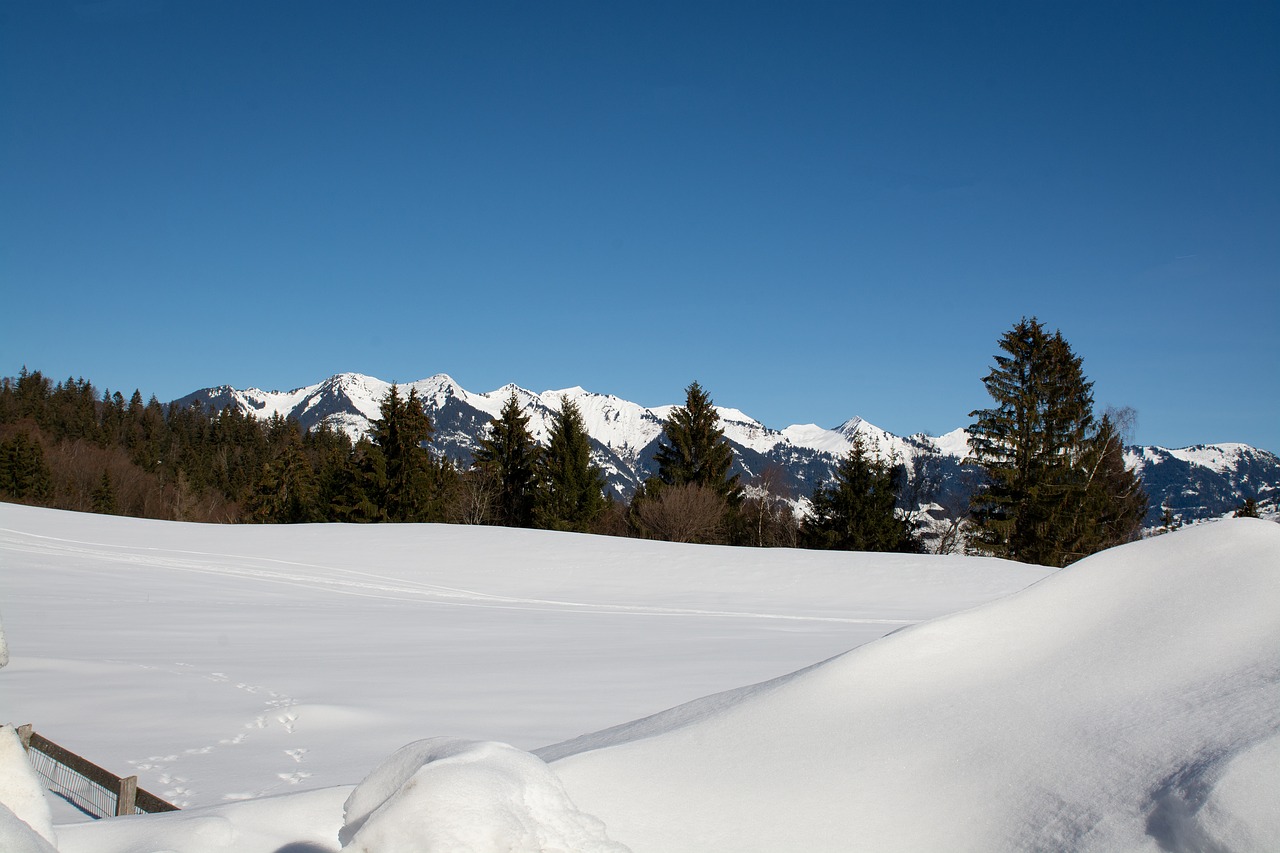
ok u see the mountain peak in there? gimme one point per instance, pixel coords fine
(1201, 481)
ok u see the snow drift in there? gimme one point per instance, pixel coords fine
(1130, 702)
(446, 795)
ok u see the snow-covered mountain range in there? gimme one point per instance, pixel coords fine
(1200, 482)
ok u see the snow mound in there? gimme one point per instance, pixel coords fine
(17, 836)
(21, 793)
(447, 794)
(305, 822)
(1129, 702)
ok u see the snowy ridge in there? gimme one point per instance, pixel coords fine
(1198, 482)
(349, 401)
(1166, 745)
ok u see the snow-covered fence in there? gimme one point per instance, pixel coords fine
(90, 788)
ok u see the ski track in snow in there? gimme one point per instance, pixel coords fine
(368, 584)
(278, 708)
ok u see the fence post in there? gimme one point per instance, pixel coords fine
(24, 735)
(127, 795)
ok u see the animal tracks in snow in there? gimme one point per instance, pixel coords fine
(277, 711)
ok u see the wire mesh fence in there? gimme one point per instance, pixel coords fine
(95, 791)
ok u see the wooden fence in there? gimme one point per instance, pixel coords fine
(85, 785)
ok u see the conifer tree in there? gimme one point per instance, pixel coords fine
(286, 490)
(400, 433)
(1108, 503)
(508, 456)
(694, 449)
(1248, 509)
(24, 473)
(104, 495)
(856, 510)
(1055, 486)
(570, 493)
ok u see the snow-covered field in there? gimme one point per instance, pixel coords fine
(255, 674)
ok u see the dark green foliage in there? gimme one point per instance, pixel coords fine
(694, 449)
(508, 456)
(104, 496)
(856, 511)
(24, 474)
(1107, 504)
(1248, 509)
(570, 493)
(362, 496)
(286, 490)
(392, 477)
(1056, 489)
(400, 434)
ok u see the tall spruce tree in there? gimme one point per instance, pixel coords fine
(24, 474)
(411, 475)
(286, 489)
(508, 456)
(694, 449)
(570, 492)
(856, 510)
(1051, 487)
(104, 495)
(1109, 503)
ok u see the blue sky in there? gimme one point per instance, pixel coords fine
(817, 210)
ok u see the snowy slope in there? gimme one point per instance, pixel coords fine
(224, 662)
(1130, 702)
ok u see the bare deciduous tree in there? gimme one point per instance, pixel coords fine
(687, 513)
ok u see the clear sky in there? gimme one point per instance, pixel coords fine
(817, 210)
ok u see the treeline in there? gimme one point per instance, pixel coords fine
(66, 446)
(1054, 487)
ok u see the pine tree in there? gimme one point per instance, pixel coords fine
(856, 511)
(694, 449)
(1056, 488)
(400, 433)
(24, 473)
(1248, 509)
(1108, 504)
(286, 490)
(570, 492)
(508, 456)
(104, 495)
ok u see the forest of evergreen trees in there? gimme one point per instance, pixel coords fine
(1055, 486)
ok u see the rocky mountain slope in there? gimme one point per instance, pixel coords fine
(1194, 483)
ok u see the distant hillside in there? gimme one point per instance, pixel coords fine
(1194, 483)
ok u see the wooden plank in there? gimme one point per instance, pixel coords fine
(87, 769)
(129, 795)
(126, 793)
(151, 804)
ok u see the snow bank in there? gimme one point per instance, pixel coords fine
(458, 796)
(306, 822)
(1129, 702)
(17, 836)
(22, 794)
